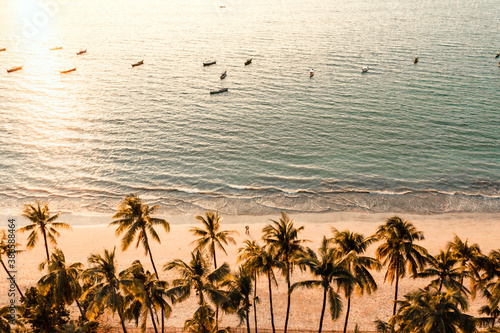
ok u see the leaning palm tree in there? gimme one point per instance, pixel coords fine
(210, 237)
(62, 279)
(134, 218)
(147, 291)
(197, 276)
(106, 286)
(42, 223)
(261, 260)
(471, 259)
(351, 246)
(399, 251)
(429, 311)
(239, 286)
(282, 236)
(9, 250)
(330, 272)
(446, 270)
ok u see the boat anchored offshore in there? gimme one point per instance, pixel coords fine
(218, 91)
(138, 63)
(416, 60)
(248, 62)
(68, 71)
(364, 69)
(81, 52)
(56, 48)
(223, 76)
(14, 69)
(209, 63)
(4, 49)
(497, 55)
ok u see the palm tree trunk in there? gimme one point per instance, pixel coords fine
(156, 273)
(322, 310)
(255, 302)
(11, 278)
(81, 310)
(153, 319)
(440, 285)
(494, 319)
(271, 301)
(122, 322)
(46, 246)
(248, 321)
(216, 305)
(396, 293)
(347, 313)
(288, 296)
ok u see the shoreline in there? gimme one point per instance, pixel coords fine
(83, 240)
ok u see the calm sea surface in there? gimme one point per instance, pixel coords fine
(404, 137)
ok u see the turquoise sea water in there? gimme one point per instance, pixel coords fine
(404, 137)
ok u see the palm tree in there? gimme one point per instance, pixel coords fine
(8, 249)
(42, 223)
(399, 251)
(492, 312)
(106, 286)
(328, 270)
(62, 279)
(444, 267)
(147, 292)
(470, 257)
(351, 246)
(261, 260)
(282, 236)
(249, 255)
(135, 217)
(210, 237)
(196, 275)
(429, 311)
(240, 288)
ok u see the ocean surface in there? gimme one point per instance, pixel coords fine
(419, 138)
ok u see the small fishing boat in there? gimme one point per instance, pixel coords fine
(4, 49)
(68, 71)
(14, 69)
(248, 62)
(81, 52)
(416, 60)
(56, 48)
(223, 76)
(209, 63)
(138, 63)
(218, 91)
(365, 69)
(311, 73)
(498, 54)
(222, 6)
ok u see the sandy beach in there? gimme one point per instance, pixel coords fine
(83, 240)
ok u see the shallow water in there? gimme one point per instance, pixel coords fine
(404, 137)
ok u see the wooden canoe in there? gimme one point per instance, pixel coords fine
(56, 48)
(219, 91)
(81, 52)
(209, 63)
(68, 71)
(248, 62)
(4, 49)
(223, 76)
(14, 69)
(138, 63)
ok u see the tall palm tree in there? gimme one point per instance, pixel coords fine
(42, 223)
(248, 255)
(282, 236)
(8, 249)
(429, 311)
(134, 218)
(210, 237)
(239, 286)
(444, 267)
(106, 286)
(351, 246)
(330, 272)
(147, 291)
(470, 257)
(62, 279)
(399, 251)
(197, 275)
(262, 260)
